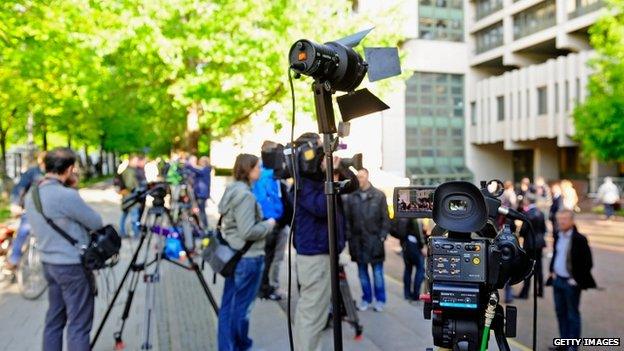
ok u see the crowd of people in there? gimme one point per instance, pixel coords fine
(257, 210)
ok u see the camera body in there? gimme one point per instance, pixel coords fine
(468, 259)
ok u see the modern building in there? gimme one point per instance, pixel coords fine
(528, 70)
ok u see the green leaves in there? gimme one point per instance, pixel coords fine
(126, 74)
(599, 123)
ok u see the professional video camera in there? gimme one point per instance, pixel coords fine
(468, 259)
(158, 190)
(308, 158)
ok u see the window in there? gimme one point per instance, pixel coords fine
(534, 19)
(556, 97)
(578, 91)
(489, 38)
(441, 20)
(500, 108)
(542, 101)
(473, 113)
(486, 7)
(580, 7)
(528, 103)
(433, 120)
(566, 101)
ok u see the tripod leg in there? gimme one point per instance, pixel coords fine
(134, 281)
(118, 291)
(200, 276)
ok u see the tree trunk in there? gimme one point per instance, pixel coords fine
(87, 164)
(69, 140)
(192, 128)
(44, 135)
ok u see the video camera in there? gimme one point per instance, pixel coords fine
(468, 259)
(158, 190)
(308, 156)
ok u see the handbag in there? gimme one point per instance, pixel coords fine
(221, 257)
(104, 242)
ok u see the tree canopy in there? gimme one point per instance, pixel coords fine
(599, 120)
(152, 75)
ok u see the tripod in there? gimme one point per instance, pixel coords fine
(153, 223)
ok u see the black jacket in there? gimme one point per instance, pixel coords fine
(536, 217)
(401, 228)
(367, 225)
(579, 260)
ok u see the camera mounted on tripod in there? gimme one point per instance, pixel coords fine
(469, 258)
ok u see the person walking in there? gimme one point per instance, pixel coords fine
(408, 231)
(609, 195)
(71, 288)
(569, 196)
(367, 227)
(570, 273)
(241, 222)
(533, 248)
(557, 204)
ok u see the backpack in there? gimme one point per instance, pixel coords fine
(119, 183)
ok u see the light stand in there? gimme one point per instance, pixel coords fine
(327, 127)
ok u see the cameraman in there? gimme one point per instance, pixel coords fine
(71, 288)
(312, 245)
(272, 195)
(132, 178)
(367, 227)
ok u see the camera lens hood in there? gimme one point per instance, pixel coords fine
(459, 207)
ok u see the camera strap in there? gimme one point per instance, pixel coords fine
(37, 201)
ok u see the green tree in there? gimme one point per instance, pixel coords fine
(599, 121)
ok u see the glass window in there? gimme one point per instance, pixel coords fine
(542, 101)
(566, 101)
(489, 38)
(556, 97)
(578, 91)
(434, 123)
(441, 20)
(500, 108)
(486, 7)
(534, 19)
(473, 113)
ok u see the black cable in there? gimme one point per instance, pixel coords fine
(292, 220)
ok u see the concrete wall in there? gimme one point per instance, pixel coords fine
(489, 162)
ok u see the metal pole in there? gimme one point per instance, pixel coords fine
(330, 193)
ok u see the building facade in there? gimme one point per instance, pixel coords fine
(528, 70)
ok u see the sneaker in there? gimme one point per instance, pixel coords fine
(363, 306)
(378, 306)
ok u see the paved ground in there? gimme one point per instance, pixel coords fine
(185, 320)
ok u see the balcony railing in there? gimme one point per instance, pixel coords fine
(523, 31)
(580, 11)
(482, 13)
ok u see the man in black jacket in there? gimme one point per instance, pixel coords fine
(536, 218)
(367, 227)
(570, 272)
(408, 231)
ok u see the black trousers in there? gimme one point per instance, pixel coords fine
(540, 278)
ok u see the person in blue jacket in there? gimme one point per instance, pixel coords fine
(201, 171)
(312, 244)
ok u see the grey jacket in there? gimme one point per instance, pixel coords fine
(242, 219)
(68, 210)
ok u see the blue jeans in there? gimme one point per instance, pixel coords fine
(412, 292)
(567, 300)
(239, 293)
(135, 217)
(20, 239)
(609, 210)
(378, 279)
(201, 204)
(70, 302)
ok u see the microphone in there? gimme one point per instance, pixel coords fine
(511, 213)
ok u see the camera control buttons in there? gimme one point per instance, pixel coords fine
(476, 260)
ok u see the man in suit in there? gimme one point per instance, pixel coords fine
(570, 273)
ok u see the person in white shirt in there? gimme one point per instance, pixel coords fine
(609, 195)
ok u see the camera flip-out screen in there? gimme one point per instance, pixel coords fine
(413, 202)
